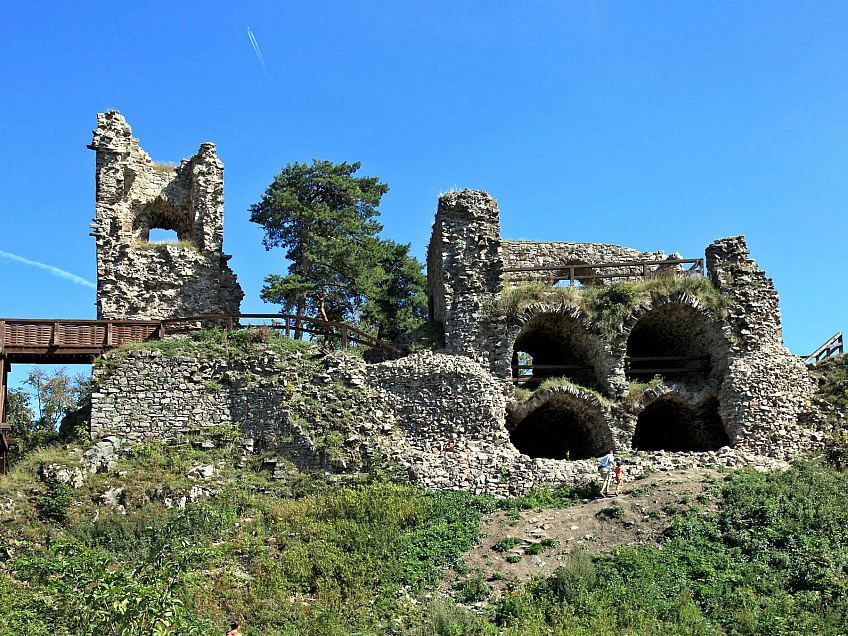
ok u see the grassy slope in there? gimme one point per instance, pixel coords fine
(310, 557)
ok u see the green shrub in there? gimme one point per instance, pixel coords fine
(541, 546)
(611, 512)
(55, 503)
(473, 589)
(446, 619)
(577, 573)
(513, 558)
(506, 544)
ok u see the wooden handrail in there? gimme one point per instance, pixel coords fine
(585, 271)
(93, 337)
(831, 347)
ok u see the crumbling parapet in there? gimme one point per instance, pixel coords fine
(753, 311)
(765, 387)
(465, 276)
(142, 280)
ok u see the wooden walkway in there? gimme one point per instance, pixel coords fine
(81, 341)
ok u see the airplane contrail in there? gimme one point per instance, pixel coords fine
(61, 273)
(256, 49)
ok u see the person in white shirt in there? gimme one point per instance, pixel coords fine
(606, 470)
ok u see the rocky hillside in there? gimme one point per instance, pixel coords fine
(118, 538)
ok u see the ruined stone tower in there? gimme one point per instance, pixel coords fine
(137, 279)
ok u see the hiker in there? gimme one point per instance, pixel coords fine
(618, 471)
(605, 469)
(235, 629)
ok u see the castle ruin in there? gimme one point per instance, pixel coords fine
(137, 279)
(726, 391)
(734, 385)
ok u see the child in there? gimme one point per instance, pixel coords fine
(619, 475)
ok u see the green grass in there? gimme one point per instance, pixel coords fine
(218, 342)
(607, 307)
(346, 559)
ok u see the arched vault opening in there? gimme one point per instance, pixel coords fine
(674, 341)
(553, 346)
(670, 425)
(564, 427)
(161, 216)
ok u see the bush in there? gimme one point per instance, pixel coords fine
(541, 546)
(577, 573)
(506, 544)
(473, 589)
(54, 505)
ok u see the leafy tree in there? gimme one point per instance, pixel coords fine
(35, 413)
(324, 217)
(56, 394)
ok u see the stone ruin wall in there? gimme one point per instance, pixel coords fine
(538, 253)
(444, 420)
(447, 418)
(760, 387)
(465, 275)
(140, 280)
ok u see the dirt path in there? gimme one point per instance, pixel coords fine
(637, 516)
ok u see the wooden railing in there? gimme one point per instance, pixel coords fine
(582, 272)
(290, 324)
(829, 348)
(21, 337)
(660, 365)
(69, 337)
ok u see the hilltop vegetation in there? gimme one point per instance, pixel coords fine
(312, 556)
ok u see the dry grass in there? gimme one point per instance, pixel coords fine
(158, 245)
(165, 167)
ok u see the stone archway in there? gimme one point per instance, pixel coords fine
(671, 424)
(557, 345)
(162, 216)
(561, 424)
(674, 340)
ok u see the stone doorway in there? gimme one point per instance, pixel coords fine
(671, 425)
(556, 346)
(564, 427)
(673, 341)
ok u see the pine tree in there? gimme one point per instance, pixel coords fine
(340, 269)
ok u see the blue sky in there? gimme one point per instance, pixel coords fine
(659, 125)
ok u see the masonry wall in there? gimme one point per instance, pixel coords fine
(443, 419)
(765, 388)
(538, 253)
(140, 280)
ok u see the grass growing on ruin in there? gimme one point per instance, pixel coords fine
(164, 167)
(522, 394)
(219, 342)
(607, 307)
(832, 377)
(152, 246)
(636, 390)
